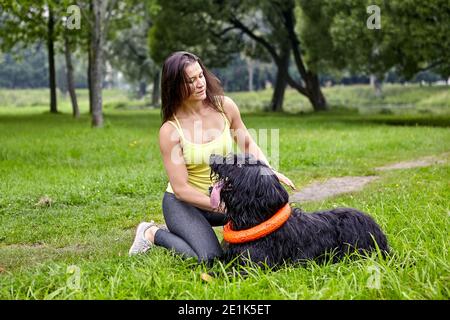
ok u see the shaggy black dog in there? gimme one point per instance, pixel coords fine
(252, 194)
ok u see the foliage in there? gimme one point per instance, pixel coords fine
(28, 68)
(314, 32)
(413, 36)
(127, 49)
(191, 26)
(235, 76)
(30, 71)
(25, 22)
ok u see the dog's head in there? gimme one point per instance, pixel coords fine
(249, 189)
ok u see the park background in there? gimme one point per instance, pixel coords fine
(356, 88)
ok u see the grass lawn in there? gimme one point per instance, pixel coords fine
(100, 183)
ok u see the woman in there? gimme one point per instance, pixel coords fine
(197, 121)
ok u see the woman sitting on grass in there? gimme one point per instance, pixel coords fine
(197, 121)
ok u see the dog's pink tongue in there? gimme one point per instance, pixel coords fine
(215, 195)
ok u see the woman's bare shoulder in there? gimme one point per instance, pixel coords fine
(229, 104)
(230, 108)
(168, 132)
(166, 127)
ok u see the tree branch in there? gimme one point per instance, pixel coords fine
(288, 16)
(211, 29)
(86, 16)
(222, 32)
(432, 65)
(135, 51)
(109, 10)
(296, 85)
(238, 24)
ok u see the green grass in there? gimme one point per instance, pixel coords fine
(103, 182)
(36, 100)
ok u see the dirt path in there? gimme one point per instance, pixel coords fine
(421, 162)
(330, 188)
(336, 186)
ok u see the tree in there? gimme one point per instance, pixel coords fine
(70, 78)
(29, 22)
(25, 69)
(26, 23)
(412, 36)
(98, 14)
(270, 24)
(71, 38)
(128, 52)
(244, 73)
(190, 26)
(97, 38)
(51, 57)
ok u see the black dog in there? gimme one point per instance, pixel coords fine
(252, 194)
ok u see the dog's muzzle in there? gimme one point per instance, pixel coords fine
(215, 194)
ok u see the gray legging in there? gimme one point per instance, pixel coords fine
(191, 233)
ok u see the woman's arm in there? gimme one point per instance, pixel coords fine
(244, 140)
(172, 155)
(240, 133)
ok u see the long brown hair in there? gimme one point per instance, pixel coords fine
(175, 88)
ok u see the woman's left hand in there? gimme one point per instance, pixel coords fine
(284, 179)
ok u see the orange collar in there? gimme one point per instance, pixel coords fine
(258, 231)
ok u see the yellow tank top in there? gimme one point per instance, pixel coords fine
(196, 156)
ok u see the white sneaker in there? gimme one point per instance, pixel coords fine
(140, 244)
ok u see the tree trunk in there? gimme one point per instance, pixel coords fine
(142, 89)
(89, 78)
(97, 63)
(250, 68)
(51, 61)
(70, 82)
(311, 85)
(280, 83)
(89, 68)
(376, 83)
(156, 92)
(315, 94)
